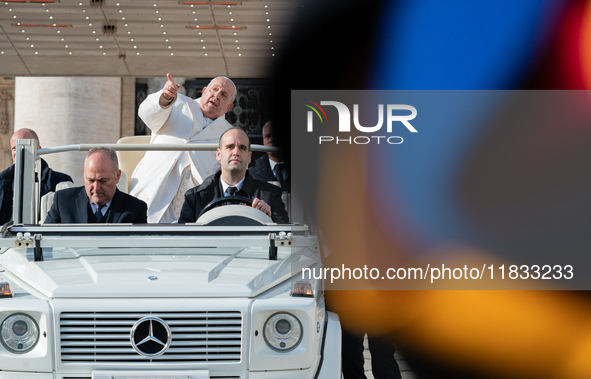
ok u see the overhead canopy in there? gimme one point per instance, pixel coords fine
(141, 37)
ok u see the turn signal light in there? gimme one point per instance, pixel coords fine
(302, 289)
(5, 290)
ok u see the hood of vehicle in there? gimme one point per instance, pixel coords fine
(116, 273)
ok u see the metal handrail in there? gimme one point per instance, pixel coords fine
(147, 147)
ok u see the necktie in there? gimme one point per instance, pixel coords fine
(231, 191)
(99, 214)
(280, 174)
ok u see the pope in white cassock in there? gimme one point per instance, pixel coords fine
(162, 177)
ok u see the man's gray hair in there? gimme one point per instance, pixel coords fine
(228, 79)
(110, 153)
(263, 128)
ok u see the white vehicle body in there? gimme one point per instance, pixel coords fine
(160, 301)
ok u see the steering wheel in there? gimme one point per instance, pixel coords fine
(225, 200)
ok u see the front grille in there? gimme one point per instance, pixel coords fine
(104, 337)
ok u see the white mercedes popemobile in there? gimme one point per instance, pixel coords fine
(222, 298)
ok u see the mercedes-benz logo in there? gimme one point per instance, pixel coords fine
(150, 337)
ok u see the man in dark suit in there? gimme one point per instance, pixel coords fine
(233, 178)
(271, 167)
(99, 200)
(49, 178)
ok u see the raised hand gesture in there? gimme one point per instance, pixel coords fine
(170, 88)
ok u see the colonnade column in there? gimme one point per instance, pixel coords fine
(6, 120)
(69, 110)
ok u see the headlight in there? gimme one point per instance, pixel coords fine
(19, 333)
(283, 332)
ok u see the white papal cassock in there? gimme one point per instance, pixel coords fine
(162, 177)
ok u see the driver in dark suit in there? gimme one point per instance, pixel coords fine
(99, 200)
(234, 179)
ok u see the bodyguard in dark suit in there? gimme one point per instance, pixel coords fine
(49, 177)
(233, 178)
(71, 206)
(271, 167)
(99, 200)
